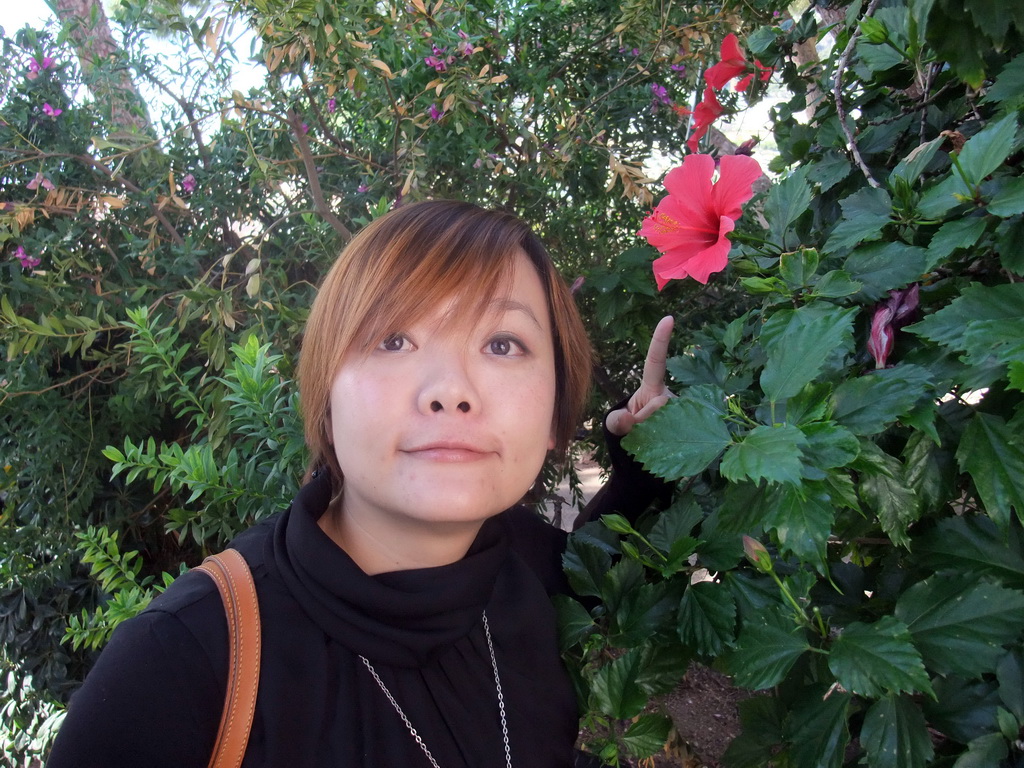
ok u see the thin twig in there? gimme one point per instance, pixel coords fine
(295, 122)
(837, 91)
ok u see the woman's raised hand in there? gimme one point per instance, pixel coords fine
(652, 393)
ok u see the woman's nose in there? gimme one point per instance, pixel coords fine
(448, 386)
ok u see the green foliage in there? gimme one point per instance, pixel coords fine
(874, 486)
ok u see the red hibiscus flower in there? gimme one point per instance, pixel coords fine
(733, 64)
(691, 224)
(704, 115)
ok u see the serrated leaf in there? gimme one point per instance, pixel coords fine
(585, 565)
(764, 654)
(817, 729)
(707, 618)
(929, 470)
(954, 235)
(883, 488)
(639, 614)
(867, 404)
(994, 458)
(614, 689)
(895, 734)
(683, 437)
(984, 152)
(574, 622)
(1008, 201)
(647, 735)
(913, 165)
(798, 342)
(975, 303)
(963, 709)
(1010, 676)
(786, 202)
(973, 544)
(865, 214)
(802, 519)
(882, 267)
(878, 659)
(1009, 85)
(797, 268)
(986, 751)
(835, 284)
(766, 453)
(829, 445)
(675, 523)
(959, 624)
(761, 720)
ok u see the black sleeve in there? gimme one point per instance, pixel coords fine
(630, 490)
(154, 699)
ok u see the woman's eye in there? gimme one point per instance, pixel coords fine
(504, 347)
(394, 343)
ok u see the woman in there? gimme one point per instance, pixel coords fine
(404, 597)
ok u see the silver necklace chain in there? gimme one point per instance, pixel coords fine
(409, 725)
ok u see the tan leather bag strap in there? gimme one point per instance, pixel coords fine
(231, 574)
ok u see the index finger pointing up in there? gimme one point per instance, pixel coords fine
(657, 354)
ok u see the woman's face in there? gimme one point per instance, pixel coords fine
(448, 420)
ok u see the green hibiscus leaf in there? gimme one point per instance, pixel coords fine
(959, 623)
(829, 445)
(994, 457)
(963, 709)
(884, 489)
(798, 267)
(761, 719)
(675, 523)
(913, 165)
(878, 659)
(1009, 85)
(614, 689)
(802, 519)
(766, 453)
(1008, 201)
(1002, 340)
(986, 150)
(574, 622)
(585, 565)
(707, 618)
(881, 267)
(647, 735)
(984, 752)
(683, 437)
(1010, 676)
(930, 471)
(865, 214)
(895, 734)
(764, 654)
(974, 545)
(976, 303)
(865, 405)
(817, 729)
(798, 342)
(835, 284)
(954, 235)
(641, 612)
(786, 202)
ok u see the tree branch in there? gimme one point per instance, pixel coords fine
(837, 91)
(295, 123)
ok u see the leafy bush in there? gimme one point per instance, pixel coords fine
(847, 535)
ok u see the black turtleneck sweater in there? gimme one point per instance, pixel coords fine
(155, 696)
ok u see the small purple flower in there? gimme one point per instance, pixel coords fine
(35, 66)
(51, 111)
(679, 69)
(40, 181)
(362, 188)
(332, 104)
(188, 184)
(463, 35)
(635, 52)
(27, 262)
(660, 94)
(435, 112)
(465, 49)
(437, 63)
(478, 162)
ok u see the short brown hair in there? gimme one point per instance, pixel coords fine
(405, 264)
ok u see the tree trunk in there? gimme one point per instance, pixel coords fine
(89, 31)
